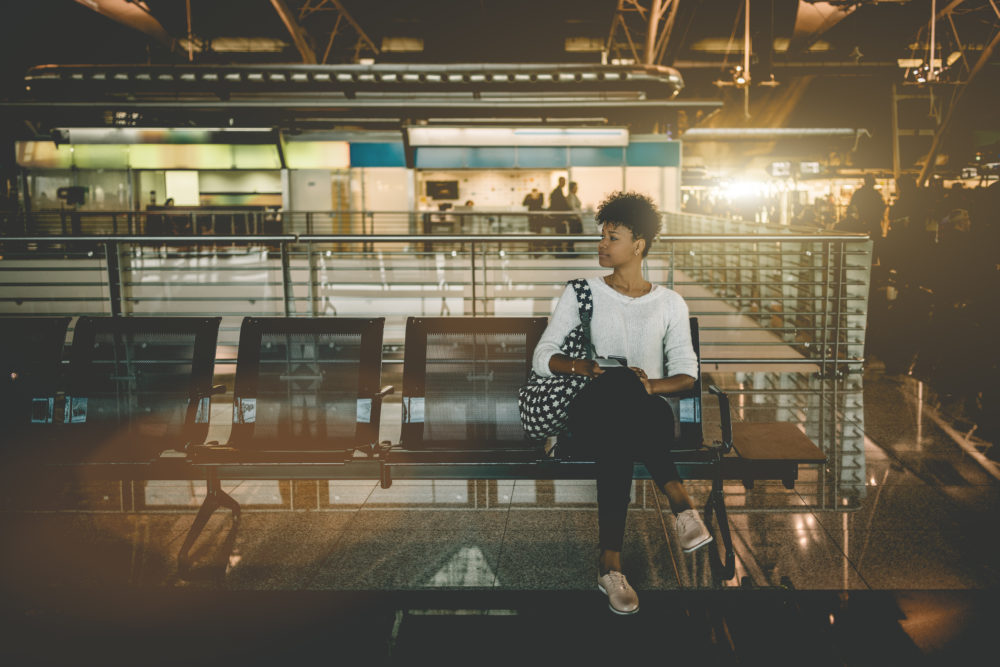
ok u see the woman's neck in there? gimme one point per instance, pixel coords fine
(630, 274)
(628, 281)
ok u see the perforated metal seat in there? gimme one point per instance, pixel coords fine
(307, 397)
(460, 381)
(30, 359)
(138, 386)
(461, 418)
(304, 387)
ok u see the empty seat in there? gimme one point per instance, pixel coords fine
(137, 386)
(460, 382)
(307, 396)
(304, 387)
(30, 361)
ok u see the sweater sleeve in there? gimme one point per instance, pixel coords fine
(565, 318)
(677, 347)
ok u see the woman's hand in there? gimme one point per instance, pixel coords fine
(641, 374)
(585, 367)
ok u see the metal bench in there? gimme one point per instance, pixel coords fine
(30, 361)
(307, 398)
(461, 421)
(135, 388)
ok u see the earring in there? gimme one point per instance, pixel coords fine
(636, 251)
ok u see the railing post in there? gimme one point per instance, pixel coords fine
(839, 296)
(472, 258)
(673, 262)
(312, 280)
(112, 260)
(286, 280)
(827, 269)
(371, 218)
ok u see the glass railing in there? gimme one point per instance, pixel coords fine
(782, 314)
(263, 220)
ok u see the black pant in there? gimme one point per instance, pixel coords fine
(614, 421)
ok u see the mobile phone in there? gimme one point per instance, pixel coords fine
(610, 362)
(621, 360)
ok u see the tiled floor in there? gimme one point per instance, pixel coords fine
(914, 553)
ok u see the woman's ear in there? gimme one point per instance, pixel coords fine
(640, 246)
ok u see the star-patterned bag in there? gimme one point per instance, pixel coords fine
(544, 401)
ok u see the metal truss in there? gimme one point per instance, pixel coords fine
(945, 84)
(316, 12)
(639, 25)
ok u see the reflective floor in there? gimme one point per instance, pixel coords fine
(888, 554)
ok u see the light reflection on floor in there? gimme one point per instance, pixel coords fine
(883, 494)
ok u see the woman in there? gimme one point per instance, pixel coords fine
(619, 418)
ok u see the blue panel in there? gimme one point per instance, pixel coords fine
(440, 157)
(551, 157)
(596, 156)
(378, 155)
(654, 154)
(499, 157)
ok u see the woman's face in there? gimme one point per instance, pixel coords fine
(617, 245)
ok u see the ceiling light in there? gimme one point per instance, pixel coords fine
(247, 45)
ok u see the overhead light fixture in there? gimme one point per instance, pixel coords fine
(517, 136)
(584, 45)
(247, 45)
(402, 44)
(162, 135)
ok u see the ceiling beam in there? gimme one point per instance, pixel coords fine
(299, 35)
(134, 15)
(653, 37)
(343, 22)
(942, 130)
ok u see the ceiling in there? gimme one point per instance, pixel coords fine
(833, 62)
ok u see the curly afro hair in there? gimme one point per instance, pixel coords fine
(633, 211)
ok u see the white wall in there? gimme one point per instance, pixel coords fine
(596, 183)
(382, 188)
(151, 184)
(662, 184)
(310, 189)
(182, 187)
(240, 181)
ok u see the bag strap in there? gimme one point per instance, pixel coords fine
(585, 305)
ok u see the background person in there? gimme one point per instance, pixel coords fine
(575, 221)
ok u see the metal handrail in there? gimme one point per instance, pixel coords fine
(778, 294)
(450, 238)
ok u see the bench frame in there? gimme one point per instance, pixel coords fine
(747, 452)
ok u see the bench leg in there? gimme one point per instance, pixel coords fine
(717, 504)
(215, 498)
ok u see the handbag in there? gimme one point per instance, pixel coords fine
(544, 401)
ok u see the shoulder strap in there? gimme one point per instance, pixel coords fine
(585, 305)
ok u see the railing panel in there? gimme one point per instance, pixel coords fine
(782, 315)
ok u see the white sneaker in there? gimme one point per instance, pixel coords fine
(691, 531)
(621, 597)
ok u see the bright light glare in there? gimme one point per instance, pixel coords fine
(742, 189)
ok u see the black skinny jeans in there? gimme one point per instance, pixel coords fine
(614, 421)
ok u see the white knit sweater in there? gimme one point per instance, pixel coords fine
(645, 330)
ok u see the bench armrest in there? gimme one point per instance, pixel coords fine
(214, 390)
(726, 418)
